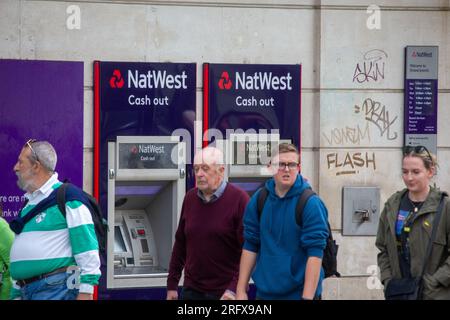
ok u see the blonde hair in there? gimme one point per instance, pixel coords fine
(284, 148)
(429, 159)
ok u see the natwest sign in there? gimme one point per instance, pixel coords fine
(155, 79)
(255, 81)
(253, 85)
(152, 79)
(150, 85)
(422, 54)
(252, 96)
(263, 81)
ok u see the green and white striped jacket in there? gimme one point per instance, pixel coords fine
(49, 241)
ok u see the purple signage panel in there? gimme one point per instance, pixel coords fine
(41, 100)
(421, 96)
(252, 96)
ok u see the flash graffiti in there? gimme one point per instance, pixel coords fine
(372, 68)
(377, 114)
(351, 162)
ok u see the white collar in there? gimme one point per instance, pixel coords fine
(45, 188)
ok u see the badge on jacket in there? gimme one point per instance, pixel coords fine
(40, 217)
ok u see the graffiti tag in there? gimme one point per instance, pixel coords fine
(372, 68)
(377, 114)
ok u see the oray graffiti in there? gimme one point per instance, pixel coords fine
(372, 68)
(353, 135)
(377, 114)
(351, 162)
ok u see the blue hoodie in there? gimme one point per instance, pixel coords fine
(283, 247)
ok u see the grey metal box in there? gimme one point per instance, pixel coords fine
(360, 211)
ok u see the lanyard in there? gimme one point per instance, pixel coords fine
(405, 254)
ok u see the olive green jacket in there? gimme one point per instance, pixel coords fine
(6, 240)
(436, 280)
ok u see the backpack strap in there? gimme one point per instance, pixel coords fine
(69, 192)
(306, 194)
(61, 198)
(301, 203)
(262, 197)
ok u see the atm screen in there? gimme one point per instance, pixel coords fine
(119, 243)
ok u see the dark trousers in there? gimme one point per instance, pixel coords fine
(192, 294)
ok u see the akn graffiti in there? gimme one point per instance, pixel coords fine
(351, 162)
(372, 68)
(377, 114)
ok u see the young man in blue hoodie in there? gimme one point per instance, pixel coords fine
(286, 259)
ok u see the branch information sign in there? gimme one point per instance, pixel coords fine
(421, 96)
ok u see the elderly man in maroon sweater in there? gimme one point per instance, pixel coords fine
(208, 241)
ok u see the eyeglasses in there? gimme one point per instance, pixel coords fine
(416, 149)
(283, 165)
(28, 143)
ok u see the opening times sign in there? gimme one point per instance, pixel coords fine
(421, 96)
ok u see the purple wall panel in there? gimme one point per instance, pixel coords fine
(41, 100)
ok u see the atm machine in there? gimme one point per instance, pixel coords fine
(248, 155)
(146, 187)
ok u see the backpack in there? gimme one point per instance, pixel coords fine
(329, 260)
(69, 192)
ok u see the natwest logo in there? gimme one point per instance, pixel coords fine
(134, 150)
(225, 82)
(116, 80)
(263, 81)
(422, 54)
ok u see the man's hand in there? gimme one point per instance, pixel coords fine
(228, 295)
(241, 295)
(172, 295)
(85, 296)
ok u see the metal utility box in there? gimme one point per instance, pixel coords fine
(360, 211)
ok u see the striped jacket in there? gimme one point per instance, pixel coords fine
(49, 241)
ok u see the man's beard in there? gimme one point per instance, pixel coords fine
(25, 184)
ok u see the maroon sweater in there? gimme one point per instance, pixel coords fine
(208, 242)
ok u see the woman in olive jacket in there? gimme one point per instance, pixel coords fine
(412, 210)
